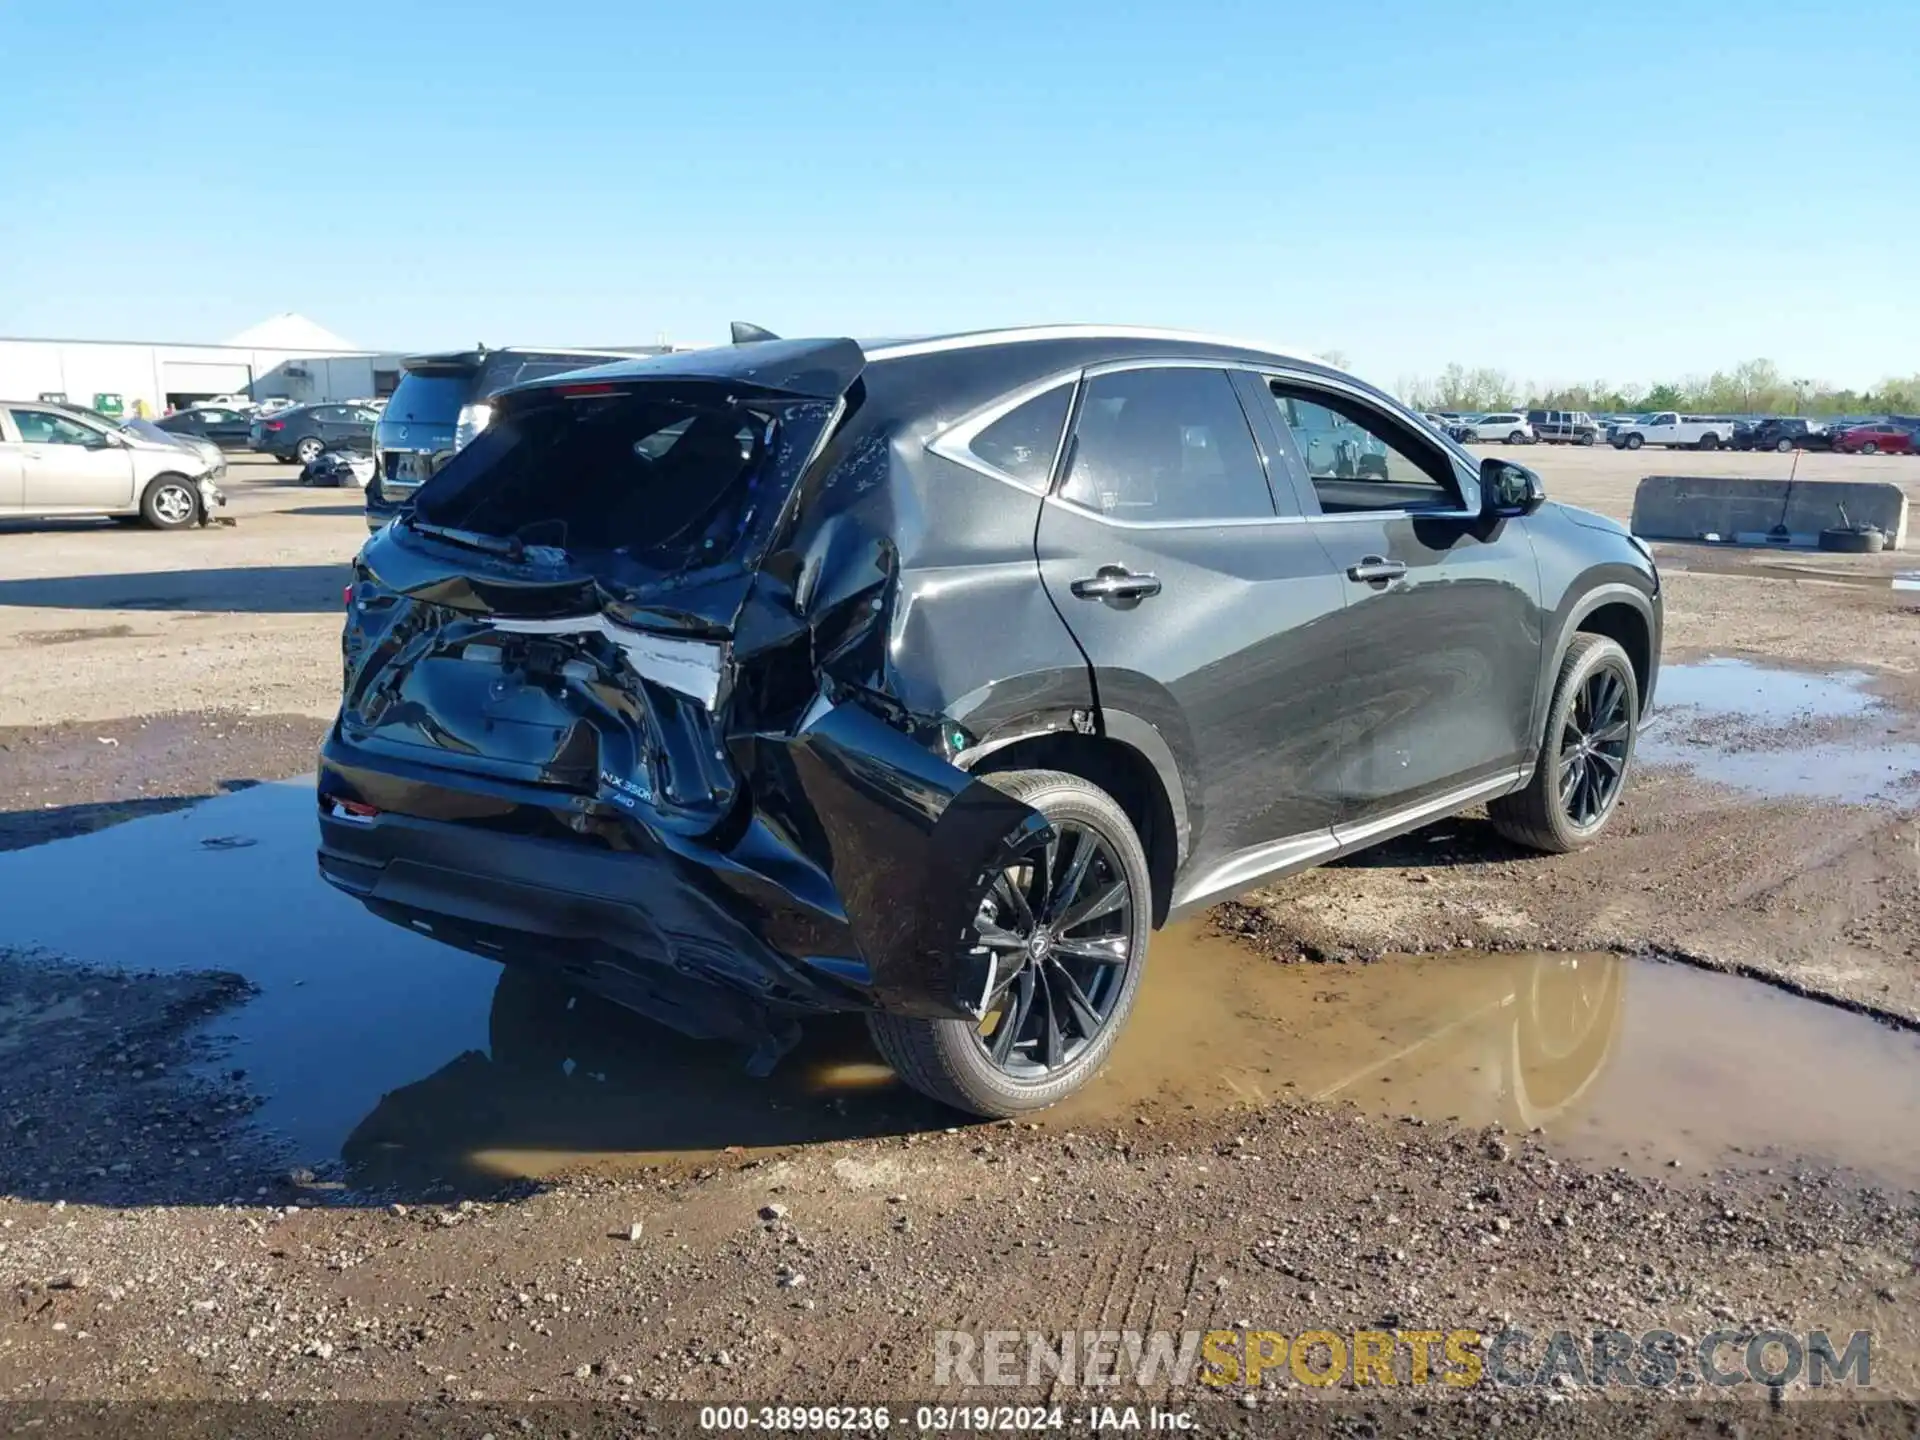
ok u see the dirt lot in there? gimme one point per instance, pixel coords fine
(186, 1216)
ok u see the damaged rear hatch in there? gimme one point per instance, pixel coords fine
(601, 612)
(559, 609)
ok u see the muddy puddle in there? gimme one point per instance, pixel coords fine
(1784, 734)
(388, 1060)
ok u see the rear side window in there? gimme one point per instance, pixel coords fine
(1022, 443)
(1166, 445)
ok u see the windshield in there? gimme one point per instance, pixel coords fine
(147, 430)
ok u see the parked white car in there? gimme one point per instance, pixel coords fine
(1509, 426)
(1669, 428)
(56, 462)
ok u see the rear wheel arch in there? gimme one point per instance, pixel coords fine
(1153, 800)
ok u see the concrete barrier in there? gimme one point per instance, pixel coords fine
(1734, 509)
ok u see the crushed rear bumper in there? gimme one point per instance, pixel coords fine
(845, 879)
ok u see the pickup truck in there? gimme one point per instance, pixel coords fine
(1696, 432)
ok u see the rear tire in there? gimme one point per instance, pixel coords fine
(1870, 448)
(1517, 437)
(950, 1060)
(308, 449)
(1783, 445)
(1541, 817)
(170, 502)
(1709, 442)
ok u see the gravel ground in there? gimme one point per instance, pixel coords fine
(153, 1247)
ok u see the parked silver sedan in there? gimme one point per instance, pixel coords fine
(55, 461)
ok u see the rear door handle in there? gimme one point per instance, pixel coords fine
(1376, 570)
(1115, 582)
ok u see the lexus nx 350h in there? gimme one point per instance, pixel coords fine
(928, 679)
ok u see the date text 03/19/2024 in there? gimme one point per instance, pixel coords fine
(942, 1419)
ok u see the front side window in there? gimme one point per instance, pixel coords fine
(1022, 443)
(40, 427)
(1359, 459)
(1166, 445)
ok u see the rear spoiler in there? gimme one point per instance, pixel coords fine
(767, 369)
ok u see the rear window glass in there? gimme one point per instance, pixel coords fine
(429, 399)
(662, 484)
(1155, 446)
(1023, 442)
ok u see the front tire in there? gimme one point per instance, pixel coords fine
(1870, 448)
(1634, 442)
(1584, 756)
(1783, 445)
(169, 502)
(1068, 925)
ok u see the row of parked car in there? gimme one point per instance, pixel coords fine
(292, 433)
(1891, 435)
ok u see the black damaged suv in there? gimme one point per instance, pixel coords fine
(928, 678)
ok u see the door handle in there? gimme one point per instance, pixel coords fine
(1115, 582)
(1376, 570)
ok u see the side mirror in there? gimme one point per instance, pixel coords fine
(99, 440)
(1508, 489)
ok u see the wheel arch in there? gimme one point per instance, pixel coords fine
(1132, 763)
(1621, 612)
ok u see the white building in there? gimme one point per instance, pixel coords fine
(288, 355)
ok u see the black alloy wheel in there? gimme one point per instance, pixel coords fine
(1586, 750)
(1059, 925)
(1594, 741)
(1057, 936)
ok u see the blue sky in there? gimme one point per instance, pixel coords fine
(1565, 192)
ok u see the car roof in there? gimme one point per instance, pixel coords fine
(824, 367)
(894, 349)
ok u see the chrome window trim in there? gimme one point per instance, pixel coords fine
(956, 440)
(1241, 523)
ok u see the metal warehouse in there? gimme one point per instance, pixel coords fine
(287, 355)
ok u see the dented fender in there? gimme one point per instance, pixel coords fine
(906, 840)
